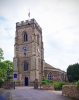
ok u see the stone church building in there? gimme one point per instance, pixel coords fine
(29, 63)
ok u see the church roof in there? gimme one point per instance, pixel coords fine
(49, 67)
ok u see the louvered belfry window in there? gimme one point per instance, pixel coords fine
(25, 66)
(25, 37)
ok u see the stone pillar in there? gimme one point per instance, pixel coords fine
(36, 84)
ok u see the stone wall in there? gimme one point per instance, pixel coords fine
(48, 87)
(71, 91)
(8, 85)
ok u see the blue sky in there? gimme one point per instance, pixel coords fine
(59, 20)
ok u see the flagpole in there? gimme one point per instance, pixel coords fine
(29, 14)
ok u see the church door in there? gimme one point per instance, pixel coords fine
(26, 81)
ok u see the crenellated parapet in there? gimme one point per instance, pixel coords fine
(29, 22)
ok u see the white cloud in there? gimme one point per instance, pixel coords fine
(59, 20)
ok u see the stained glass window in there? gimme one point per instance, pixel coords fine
(50, 76)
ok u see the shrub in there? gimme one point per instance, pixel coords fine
(77, 83)
(1, 82)
(58, 85)
(44, 82)
(50, 82)
(61, 84)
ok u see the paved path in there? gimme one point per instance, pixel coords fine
(5, 94)
(28, 93)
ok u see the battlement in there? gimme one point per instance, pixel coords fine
(27, 22)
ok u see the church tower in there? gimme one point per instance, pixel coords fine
(28, 53)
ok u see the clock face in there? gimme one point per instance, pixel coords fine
(24, 48)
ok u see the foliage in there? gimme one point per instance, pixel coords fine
(9, 67)
(77, 83)
(3, 68)
(58, 85)
(1, 73)
(46, 81)
(50, 81)
(1, 55)
(1, 81)
(6, 69)
(73, 72)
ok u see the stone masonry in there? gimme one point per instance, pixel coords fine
(34, 59)
(34, 54)
(71, 91)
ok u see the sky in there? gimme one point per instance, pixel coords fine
(59, 20)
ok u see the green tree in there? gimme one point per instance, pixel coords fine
(1, 55)
(3, 69)
(73, 72)
(1, 73)
(6, 69)
(9, 67)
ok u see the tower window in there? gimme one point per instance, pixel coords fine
(25, 66)
(38, 39)
(25, 37)
(50, 76)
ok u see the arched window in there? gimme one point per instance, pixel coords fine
(25, 66)
(50, 76)
(25, 37)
